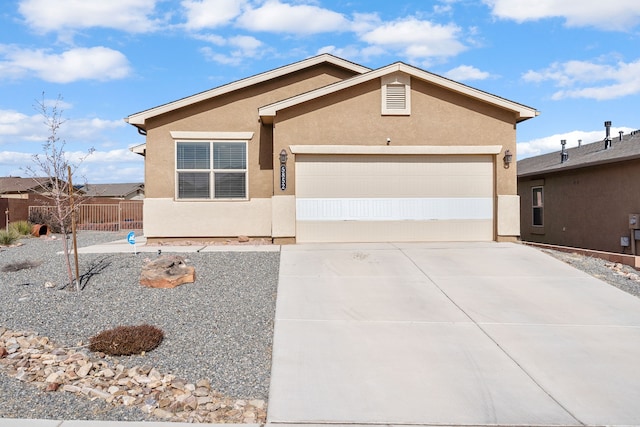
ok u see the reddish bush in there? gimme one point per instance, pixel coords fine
(126, 340)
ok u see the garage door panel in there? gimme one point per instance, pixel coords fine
(393, 209)
(394, 198)
(395, 231)
(405, 186)
(393, 176)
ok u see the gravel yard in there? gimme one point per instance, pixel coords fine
(219, 328)
(621, 276)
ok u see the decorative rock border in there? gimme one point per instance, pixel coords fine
(31, 358)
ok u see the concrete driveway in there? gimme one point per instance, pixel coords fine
(450, 334)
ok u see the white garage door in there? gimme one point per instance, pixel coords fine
(394, 198)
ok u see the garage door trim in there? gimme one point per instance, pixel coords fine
(397, 149)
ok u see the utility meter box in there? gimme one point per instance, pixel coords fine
(634, 221)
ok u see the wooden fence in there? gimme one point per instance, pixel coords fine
(104, 217)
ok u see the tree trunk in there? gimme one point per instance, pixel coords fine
(65, 245)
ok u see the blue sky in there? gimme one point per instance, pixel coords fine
(576, 61)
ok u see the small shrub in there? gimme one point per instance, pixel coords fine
(46, 218)
(20, 265)
(39, 217)
(8, 237)
(126, 340)
(22, 228)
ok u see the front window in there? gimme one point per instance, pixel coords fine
(211, 170)
(538, 206)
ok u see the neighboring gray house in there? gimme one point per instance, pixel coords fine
(582, 197)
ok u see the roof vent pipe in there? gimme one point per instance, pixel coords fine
(607, 138)
(579, 143)
(620, 132)
(564, 156)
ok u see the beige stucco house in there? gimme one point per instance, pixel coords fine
(325, 150)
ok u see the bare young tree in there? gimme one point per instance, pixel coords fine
(54, 165)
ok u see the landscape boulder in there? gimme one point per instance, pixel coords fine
(167, 271)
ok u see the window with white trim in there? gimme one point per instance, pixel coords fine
(211, 170)
(537, 205)
(396, 94)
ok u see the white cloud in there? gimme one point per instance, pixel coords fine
(246, 43)
(211, 13)
(119, 155)
(614, 15)
(274, 16)
(242, 47)
(89, 129)
(120, 165)
(14, 159)
(16, 127)
(95, 63)
(417, 39)
(549, 144)
(365, 22)
(211, 38)
(466, 73)
(135, 16)
(9, 122)
(582, 79)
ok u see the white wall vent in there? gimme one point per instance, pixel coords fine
(396, 94)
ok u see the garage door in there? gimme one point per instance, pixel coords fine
(394, 198)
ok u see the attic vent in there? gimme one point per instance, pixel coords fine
(396, 94)
(396, 97)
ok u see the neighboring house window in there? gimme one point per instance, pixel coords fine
(396, 94)
(211, 170)
(538, 206)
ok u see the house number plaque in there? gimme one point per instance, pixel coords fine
(283, 177)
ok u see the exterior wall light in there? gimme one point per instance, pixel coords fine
(283, 156)
(508, 158)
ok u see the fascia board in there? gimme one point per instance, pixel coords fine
(141, 117)
(272, 109)
(523, 111)
(139, 149)
(397, 149)
(568, 166)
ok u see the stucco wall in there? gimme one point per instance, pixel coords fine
(439, 117)
(169, 218)
(349, 117)
(584, 208)
(234, 112)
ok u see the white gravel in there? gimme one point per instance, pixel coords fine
(621, 276)
(219, 328)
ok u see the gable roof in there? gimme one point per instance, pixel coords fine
(139, 119)
(16, 184)
(586, 155)
(111, 190)
(522, 111)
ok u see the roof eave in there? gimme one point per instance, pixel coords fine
(139, 119)
(140, 149)
(522, 112)
(568, 166)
